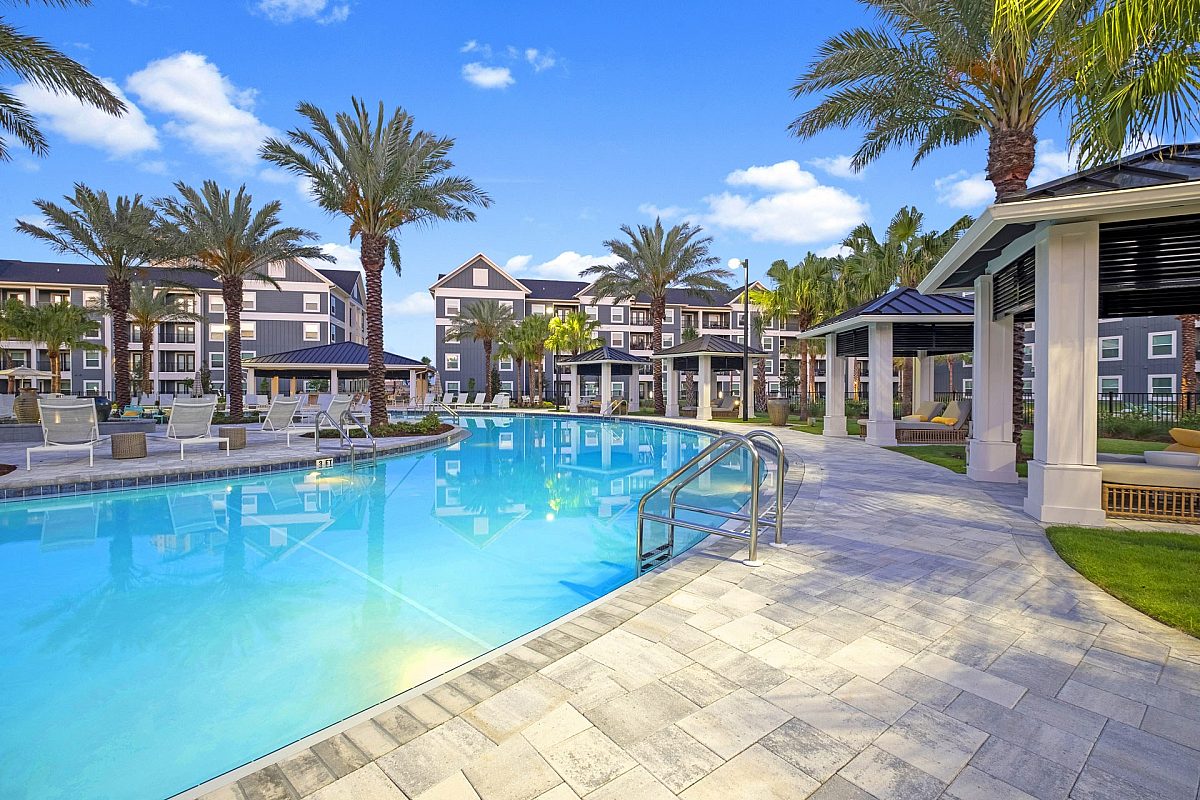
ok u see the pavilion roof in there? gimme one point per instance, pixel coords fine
(709, 345)
(604, 354)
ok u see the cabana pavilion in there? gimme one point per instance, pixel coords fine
(340, 361)
(604, 363)
(1116, 241)
(703, 355)
(900, 324)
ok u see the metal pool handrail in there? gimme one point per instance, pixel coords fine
(439, 404)
(344, 435)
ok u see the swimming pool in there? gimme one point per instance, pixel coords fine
(153, 639)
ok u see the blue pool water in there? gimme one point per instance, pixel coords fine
(152, 639)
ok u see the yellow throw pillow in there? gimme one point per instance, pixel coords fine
(914, 418)
(1182, 448)
(944, 420)
(1186, 437)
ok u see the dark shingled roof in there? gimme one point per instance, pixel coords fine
(907, 302)
(43, 272)
(349, 354)
(601, 354)
(344, 279)
(709, 343)
(552, 290)
(1173, 163)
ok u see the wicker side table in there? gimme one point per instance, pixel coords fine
(235, 435)
(129, 445)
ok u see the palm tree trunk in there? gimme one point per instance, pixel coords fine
(1010, 160)
(55, 357)
(118, 301)
(906, 386)
(857, 379)
(805, 398)
(231, 291)
(371, 253)
(760, 386)
(147, 356)
(658, 307)
(1187, 355)
(487, 367)
(950, 370)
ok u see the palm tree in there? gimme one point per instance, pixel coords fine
(221, 234)
(485, 321)
(1187, 360)
(653, 260)
(117, 236)
(536, 331)
(381, 175)
(148, 308)
(574, 333)
(36, 62)
(60, 326)
(515, 345)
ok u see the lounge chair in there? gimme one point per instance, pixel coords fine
(191, 423)
(68, 423)
(476, 401)
(166, 400)
(450, 399)
(925, 412)
(936, 431)
(726, 409)
(132, 411)
(501, 400)
(280, 418)
(6, 406)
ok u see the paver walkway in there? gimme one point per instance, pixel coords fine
(918, 639)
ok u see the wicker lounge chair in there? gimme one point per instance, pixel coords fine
(68, 423)
(937, 432)
(191, 423)
(925, 412)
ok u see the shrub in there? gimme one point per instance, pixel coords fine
(427, 425)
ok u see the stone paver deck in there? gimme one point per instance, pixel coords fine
(918, 639)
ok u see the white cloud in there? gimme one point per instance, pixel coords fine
(206, 109)
(539, 60)
(322, 11)
(666, 213)
(795, 207)
(833, 251)
(486, 77)
(413, 305)
(1050, 163)
(347, 257)
(517, 263)
(473, 46)
(838, 167)
(963, 189)
(565, 266)
(154, 167)
(120, 137)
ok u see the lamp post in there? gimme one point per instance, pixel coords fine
(744, 263)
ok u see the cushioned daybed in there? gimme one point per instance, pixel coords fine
(1147, 491)
(937, 431)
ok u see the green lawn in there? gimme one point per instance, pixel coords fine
(1156, 572)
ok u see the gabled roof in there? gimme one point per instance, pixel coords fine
(1173, 163)
(344, 279)
(350, 355)
(49, 272)
(605, 354)
(708, 344)
(474, 261)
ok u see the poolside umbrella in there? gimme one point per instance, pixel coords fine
(25, 373)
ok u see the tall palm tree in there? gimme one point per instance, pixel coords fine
(536, 328)
(381, 174)
(36, 62)
(514, 344)
(653, 260)
(220, 233)
(60, 326)
(117, 236)
(148, 308)
(485, 321)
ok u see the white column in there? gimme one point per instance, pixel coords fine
(251, 385)
(1064, 481)
(573, 400)
(922, 378)
(635, 391)
(704, 403)
(671, 380)
(605, 387)
(991, 454)
(333, 381)
(835, 389)
(881, 426)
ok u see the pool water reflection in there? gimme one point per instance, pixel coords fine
(153, 639)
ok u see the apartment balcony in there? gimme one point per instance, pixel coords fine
(716, 321)
(640, 319)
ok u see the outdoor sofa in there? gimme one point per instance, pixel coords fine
(1136, 490)
(937, 431)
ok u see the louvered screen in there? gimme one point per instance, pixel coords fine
(852, 343)
(1149, 268)
(1012, 287)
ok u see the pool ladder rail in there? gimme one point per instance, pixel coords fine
(348, 420)
(439, 405)
(703, 462)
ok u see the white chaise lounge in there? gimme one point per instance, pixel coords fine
(68, 423)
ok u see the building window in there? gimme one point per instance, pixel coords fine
(506, 386)
(669, 316)
(769, 367)
(91, 359)
(592, 312)
(216, 304)
(249, 354)
(537, 308)
(93, 332)
(479, 277)
(1110, 384)
(249, 329)
(216, 333)
(453, 306)
(312, 303)
(452, 386)
(312, 331)
(216, 360)
(618, 338)
(668, 340)
(249, 301)
(506, 304)
(773, 387)
(618, 313)
(452, 361)
(968, 385)
(768, 343)
(1162, 344)
(91, 387)
(617, 388)
(1027, 386)
(277, 270)
(1161, 384)
(91, 299)
(1110, 348)
(506, 364)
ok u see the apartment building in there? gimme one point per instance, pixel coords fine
(311, 306)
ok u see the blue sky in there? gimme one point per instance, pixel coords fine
(576, 118)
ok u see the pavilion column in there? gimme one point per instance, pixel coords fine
(605, 387)
(274, 386)
(573, 400)
(881, 426)
(835, 390)
(1064, 481)
(251, 387)
(671, 380)
(292, 388)
(922, 390)
(635, 393)
(333, 381)
(991, 454)
(704, 403)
